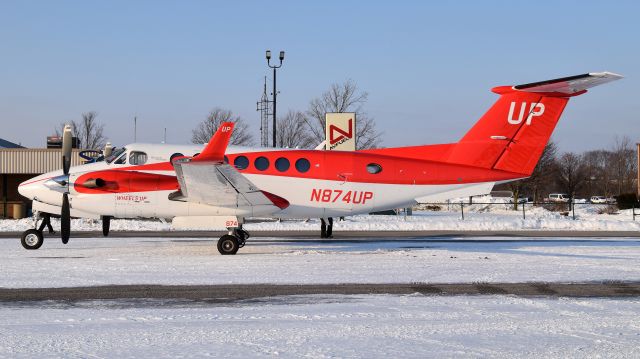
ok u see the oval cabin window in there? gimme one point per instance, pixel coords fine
(374, 168)
(261, 163)
(282, 164)
(241, 162)
(303, 165)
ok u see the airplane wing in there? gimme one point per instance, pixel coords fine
(206, 179)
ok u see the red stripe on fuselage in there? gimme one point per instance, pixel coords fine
(352, 167)
(324, 165)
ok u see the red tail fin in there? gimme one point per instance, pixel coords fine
(214, 151)
(513, 133)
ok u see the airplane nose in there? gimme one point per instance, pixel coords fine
(29, 188)
(37, 186)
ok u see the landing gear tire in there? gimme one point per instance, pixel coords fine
(228, 245)
(32, 239)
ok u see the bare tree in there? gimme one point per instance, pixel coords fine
(571, 171)
(623, 164)
(88, 131)
(345, 97)
(598, 176)
(293, 131)
(205, 130)
(543, 174)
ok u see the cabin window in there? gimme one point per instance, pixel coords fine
(303, 165)
(282, 164)
(261, 163)
(241, 162)
(374, 168)
(137, 158)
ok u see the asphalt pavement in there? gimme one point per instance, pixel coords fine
(239, 292)
(348, 234)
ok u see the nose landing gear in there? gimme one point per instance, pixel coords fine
(32, 239)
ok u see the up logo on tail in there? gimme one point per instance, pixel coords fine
(534, 110)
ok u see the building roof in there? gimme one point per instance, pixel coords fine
(8, 144)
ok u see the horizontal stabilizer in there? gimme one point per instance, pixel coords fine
(570, 85)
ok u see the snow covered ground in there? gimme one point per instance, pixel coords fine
(477, 217)
(101, 261)
(383, 326)
(364, 326)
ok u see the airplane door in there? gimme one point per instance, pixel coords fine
(338, 196)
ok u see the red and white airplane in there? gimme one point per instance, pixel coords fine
(221, 184)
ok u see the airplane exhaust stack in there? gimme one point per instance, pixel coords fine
(94, 183)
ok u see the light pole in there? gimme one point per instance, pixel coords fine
(275, 93)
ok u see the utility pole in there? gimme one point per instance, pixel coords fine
(275, 93)
(264, 107)
(165, 135)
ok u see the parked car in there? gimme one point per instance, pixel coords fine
(559, 197)
(611, 200)
(520, 200)
(598, 199)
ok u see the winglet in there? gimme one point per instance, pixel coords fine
(214, 151)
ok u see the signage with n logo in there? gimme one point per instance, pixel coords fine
(340, 131)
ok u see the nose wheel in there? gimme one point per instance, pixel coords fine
(32, 239)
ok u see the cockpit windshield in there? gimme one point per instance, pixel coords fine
(115, 154)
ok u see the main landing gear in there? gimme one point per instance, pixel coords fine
(326, 230)
(33, 238)
(230, 243)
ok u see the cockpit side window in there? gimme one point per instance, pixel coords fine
(115, 154)
(121, 160)
(137, 158)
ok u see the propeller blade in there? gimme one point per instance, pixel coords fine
(65, 219)
(66, 149)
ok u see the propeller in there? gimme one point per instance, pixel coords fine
(65, 213)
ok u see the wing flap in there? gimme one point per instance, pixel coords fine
(218, 185)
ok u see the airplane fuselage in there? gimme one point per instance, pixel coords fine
(314, 183)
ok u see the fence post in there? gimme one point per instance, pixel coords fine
(524, 216)
(573, 209)
(633, 211)
(462, 209)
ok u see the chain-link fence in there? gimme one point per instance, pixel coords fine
(568, 209)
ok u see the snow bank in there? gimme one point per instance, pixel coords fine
(497, 216)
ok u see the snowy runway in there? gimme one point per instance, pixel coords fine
(327, 326)
(105, 261)
(408, 325)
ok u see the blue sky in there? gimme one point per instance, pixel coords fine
(427, 66)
